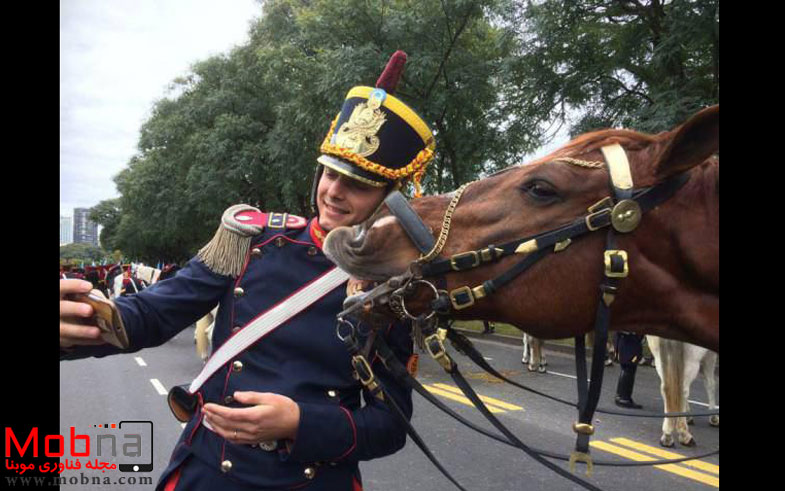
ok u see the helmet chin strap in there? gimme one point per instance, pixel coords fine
(316, 178)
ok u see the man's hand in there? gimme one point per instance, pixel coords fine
(272, 417)
(74, 315)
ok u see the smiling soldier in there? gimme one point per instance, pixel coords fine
(281, 409)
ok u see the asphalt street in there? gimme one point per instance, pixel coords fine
(125, 388)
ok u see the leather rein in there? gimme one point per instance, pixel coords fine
(620, 213)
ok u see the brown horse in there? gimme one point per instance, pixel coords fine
(672, 290)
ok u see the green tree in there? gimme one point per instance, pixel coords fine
(246, 126)
(488, 76)
(646, 65)
(78, 253)
(107, 213)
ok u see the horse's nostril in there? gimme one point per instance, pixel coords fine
(358, 236)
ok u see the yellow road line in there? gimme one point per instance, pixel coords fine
(673, 468)
(485, 399)
(461, 399)
(698, 464)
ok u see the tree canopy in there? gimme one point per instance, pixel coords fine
(488, 76)
(81, 253)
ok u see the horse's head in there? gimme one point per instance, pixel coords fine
(673, 251)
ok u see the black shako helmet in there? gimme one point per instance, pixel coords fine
(376, 138)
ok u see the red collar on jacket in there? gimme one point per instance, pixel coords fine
(317, 232)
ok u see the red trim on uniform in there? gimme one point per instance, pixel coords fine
(236, 284)
(294, 221)
(172, 482)
(317, 233)
(245, 266)
(301, 485)
(228, 372)
(257, 218)
(197, 415)
(285, 237)
(354, 433)
(356, 486)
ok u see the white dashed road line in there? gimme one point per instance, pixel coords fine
(159, 386)
(140, 361)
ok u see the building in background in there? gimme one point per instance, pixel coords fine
(85, 230)
(66, 230)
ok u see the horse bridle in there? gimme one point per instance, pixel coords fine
(621, 212)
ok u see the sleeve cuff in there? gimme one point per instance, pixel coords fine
(326, 433)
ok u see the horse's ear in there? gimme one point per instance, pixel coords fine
(691, 143)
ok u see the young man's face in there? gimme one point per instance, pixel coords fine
(344, 201)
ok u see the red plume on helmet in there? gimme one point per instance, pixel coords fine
(389, 78)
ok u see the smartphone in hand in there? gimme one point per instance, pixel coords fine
(107, 318)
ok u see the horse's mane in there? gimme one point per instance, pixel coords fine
(591, 141)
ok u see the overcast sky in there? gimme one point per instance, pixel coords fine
(116, 58)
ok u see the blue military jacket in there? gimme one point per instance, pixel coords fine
(302, 359)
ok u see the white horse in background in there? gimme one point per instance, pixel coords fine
(678, 364)
(533, 356)
(148, 274)
(117, 286)
(203, 335)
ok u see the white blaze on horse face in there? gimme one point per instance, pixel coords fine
(383, 222)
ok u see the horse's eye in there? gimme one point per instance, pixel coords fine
(539, 190)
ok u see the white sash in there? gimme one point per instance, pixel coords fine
(268, 321)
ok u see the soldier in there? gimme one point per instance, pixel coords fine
(629, 349)
(286, 411)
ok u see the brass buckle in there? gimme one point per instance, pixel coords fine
(489, 254)
(479, 292)
(595, 214)
(473, 254)
(441, 355)
(609, 271)
(458, 291)
(370, 380)
(605, 202)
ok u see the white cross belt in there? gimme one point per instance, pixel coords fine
(269, 320)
